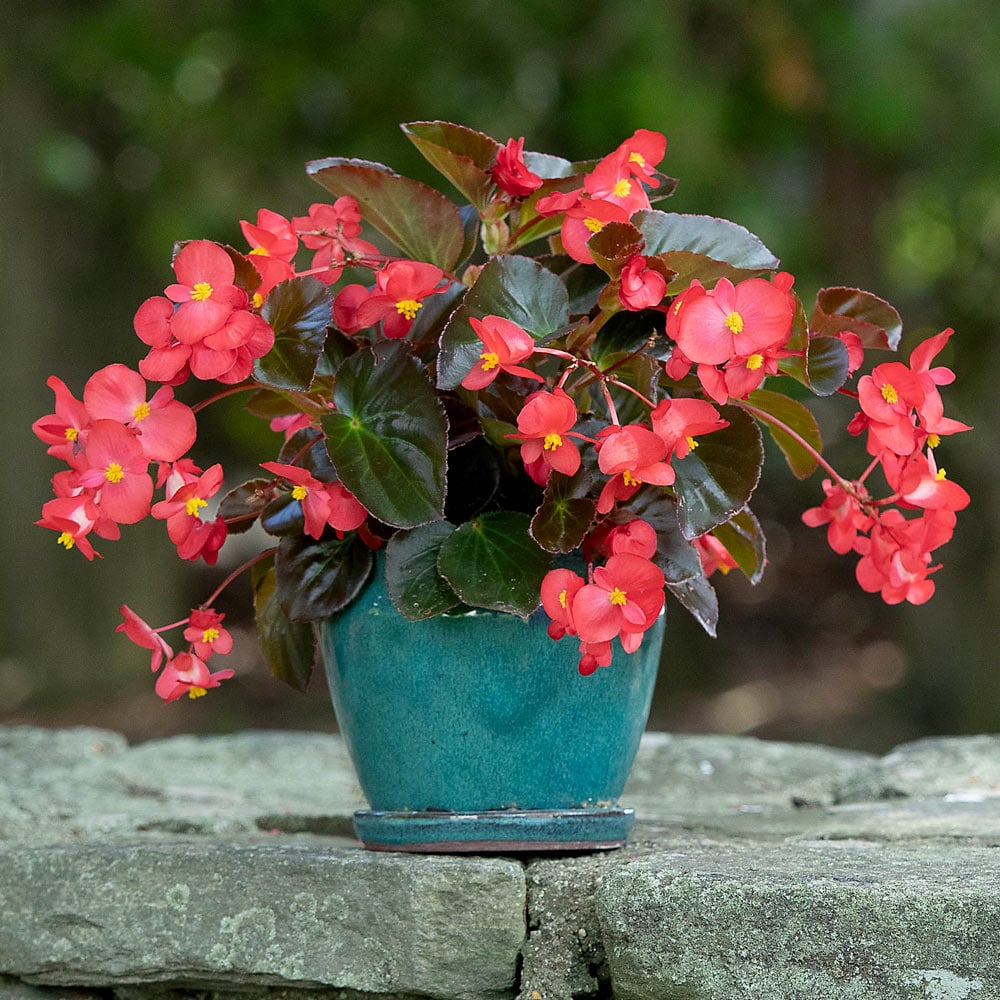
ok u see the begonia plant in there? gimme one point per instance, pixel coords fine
(552, 369)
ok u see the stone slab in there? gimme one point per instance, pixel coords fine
(845, 920)
(204, 913)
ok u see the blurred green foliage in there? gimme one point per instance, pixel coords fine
(858, 139)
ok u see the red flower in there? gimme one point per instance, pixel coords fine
(509, 172)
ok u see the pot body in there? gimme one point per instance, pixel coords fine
(481, 711)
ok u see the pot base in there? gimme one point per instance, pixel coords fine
(495, 832)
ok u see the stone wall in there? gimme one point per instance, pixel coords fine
(225, 869)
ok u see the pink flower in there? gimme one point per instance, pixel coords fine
(400, 288)
(204, 291)
(187, 674)
(843, 513)
(631, 455)
(166, 427)
(545, 422)
(62, 429)
(677, 422)
(505, 345)
(713, 555)
(641, 287)
(144, 636)
(116, 468)
(322, 503)
(334, 231)
(205, 633)
(195, 539)
(625, 598)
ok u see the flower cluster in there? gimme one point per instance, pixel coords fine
(553, 395)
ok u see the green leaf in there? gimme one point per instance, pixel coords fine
(873, 319)
(717, 479)
(388, 438)
(315, 578)
(242, 506)
(462, 155)
(514, 287)
(716, 238)
(677, 556)
(289, 647)
(698, 596)
(422, 222)
(299, 312)
(745, 542)
(492, 562)
(826, 365)
(411, 572)
(566, 513)
(787, 420)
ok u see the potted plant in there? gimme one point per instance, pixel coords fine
(504, 431)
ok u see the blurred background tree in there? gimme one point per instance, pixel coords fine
(858, 139)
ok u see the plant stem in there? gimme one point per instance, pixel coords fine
(213, 597)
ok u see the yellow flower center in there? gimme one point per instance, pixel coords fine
(594, 225)
(196, 692)
(66, 540)
(629, 480)
(755, 361)
(940, 475)
(889, 393)
(259, 252)
(552, 441)
(618, 597)
(691, 443)
(258, 300)
(408, 307)
(201, 290)
(194, 505)
(140, 412)
(71, 433)
(114, 473)
(490, 360)
(637, 158)
(622, 188)
(734, 323)
(210, 635)
(299, 493)
(933, 440)
(562, 598)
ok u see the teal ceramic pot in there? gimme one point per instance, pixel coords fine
(476, 731)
